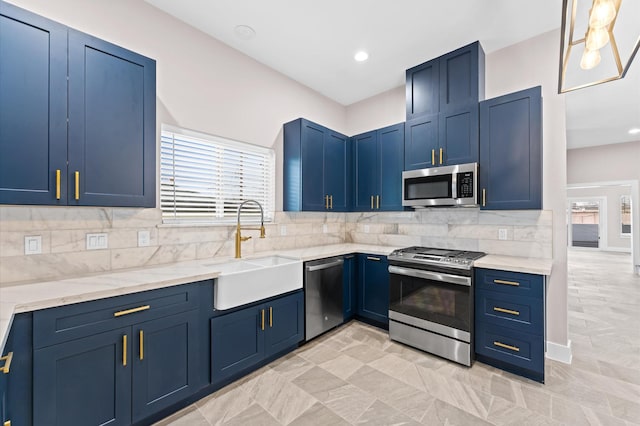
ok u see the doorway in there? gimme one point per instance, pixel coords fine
(587, 223)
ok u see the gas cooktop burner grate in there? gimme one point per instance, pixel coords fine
(436, 256)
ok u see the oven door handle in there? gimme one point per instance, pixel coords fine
(429, 275)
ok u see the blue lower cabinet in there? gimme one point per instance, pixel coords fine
(349, 286)
(84, 382)
(16, 381)
(373, 288)
(244, 338)
(165, 363)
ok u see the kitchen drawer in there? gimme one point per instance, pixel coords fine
(512, 283)
(515, 312)
(512, 350)
(56, 325)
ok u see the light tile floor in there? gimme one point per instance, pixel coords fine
(356, 375)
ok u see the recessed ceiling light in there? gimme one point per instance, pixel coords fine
(634, 131)
(245, 32)
(361, 56)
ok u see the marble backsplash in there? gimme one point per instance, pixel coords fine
(63, 231)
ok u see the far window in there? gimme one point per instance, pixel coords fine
(204, 178)
(625, 215)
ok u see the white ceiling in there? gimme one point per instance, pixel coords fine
(313, 42)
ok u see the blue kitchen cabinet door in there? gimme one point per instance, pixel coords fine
(312, 163)
(166, 367)
(366, 182)
(336, 170)
(33, 108)
(112, 125)
(16, 383)
(284, 325)
(373, 288)
(349, 286)
(423, 89)
(511, 151)
(86, 381)
(237, 342)
(461, 77)
(391, 163)
(421, 142)
(459, 135)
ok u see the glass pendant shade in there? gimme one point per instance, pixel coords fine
(602, 13)
(597, 38)
(590, 58)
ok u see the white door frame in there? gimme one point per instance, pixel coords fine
(602, 222)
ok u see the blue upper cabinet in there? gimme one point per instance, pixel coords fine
(461, 77)
(112, 124)
(443, 127)
(317, 168)
(33, 108)
(511, 151)
(423, 89)
(77, 117)
(378, 163)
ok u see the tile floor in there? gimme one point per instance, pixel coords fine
(356, 375)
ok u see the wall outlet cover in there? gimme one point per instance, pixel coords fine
(33, 244)
(502, 234)
(144, 238)
(366, 229)
(283, 230)
(325, 228)
(97, 241)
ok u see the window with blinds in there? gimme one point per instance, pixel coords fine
(204, 178)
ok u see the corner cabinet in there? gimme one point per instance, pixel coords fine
(118, 360)
(242, 339)
(373, 289)
(510, 321)
(77, 117)
(317, 167)
(378, 161)
(511, 151)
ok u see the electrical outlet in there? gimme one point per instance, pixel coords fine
(366, 229)
(33, 244)
(325, 228)
(283, 230)
(144, 238)
(97, 241)
(502, 234)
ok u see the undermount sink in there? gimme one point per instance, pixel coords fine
(249, 280)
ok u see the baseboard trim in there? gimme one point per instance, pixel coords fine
(559, 353)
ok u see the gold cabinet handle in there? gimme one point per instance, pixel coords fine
(57, 184)
(433, 157)
(7, 423)
(377, 202)
(484, 197)
(7, 362)
(77, 174)
(372, 202)
(375, 259)
(141, 345)
(506, 311)
(331, 202)
(270, 316)
(440, 156)
(124, 350)
(503, 282)
(511, 348)
(326, 202)
(262, 326)
(131, 311)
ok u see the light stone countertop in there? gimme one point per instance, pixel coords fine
(515, 264)
(47, 294)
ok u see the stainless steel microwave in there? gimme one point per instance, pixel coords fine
(441, 186)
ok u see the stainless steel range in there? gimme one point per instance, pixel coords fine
(431, 300)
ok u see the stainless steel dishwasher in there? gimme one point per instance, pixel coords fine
(322, 295)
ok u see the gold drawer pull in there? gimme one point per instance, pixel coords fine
(484, 197)
(372, 202)
(377, 202)
(262, 326)
(433, 157)
(131, 311)
(440, 156)
(141, 345)
(77, 174)
(511, 348)
(330, 202)
(270, 316)
(506, 311)
(7, 362)
(375, 259)
(57, 184)
(124, 350)
(507, 282)
(7, 423)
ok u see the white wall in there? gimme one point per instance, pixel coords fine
(378, 111)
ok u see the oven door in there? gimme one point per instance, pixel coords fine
(436, 301)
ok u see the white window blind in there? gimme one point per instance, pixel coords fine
(204, 178)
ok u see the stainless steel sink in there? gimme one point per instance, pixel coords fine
(244, 281)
